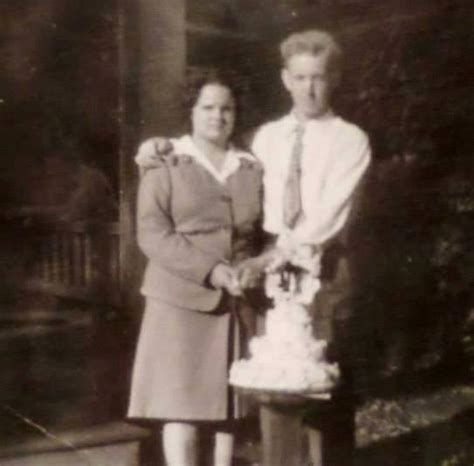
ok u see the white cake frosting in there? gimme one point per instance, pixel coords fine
(287, 357)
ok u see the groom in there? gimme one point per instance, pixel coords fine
(313, 163)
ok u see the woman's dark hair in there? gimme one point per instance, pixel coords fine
(197, 78)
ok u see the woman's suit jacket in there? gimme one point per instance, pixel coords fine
(188, 221)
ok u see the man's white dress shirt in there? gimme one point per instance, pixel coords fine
(335, 156)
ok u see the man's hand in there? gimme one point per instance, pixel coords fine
(308, 257)
(224, 276)
(151, 150)
(304, 256)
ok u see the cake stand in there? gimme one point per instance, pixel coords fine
(280, 409)
(285, 397)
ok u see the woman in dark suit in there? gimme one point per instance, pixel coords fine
(198, 216)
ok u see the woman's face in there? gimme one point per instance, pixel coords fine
(213, 115)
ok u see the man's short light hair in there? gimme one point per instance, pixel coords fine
(314, 42)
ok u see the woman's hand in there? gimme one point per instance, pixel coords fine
(151, 150)
(250, 271)
(224, 276)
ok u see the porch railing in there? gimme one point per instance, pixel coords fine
(79, 260)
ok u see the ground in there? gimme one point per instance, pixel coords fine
(435, 429)
(428, 429)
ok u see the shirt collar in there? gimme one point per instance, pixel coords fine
(231, 163)
(290, 122)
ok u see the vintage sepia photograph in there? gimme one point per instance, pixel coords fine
(237, 233)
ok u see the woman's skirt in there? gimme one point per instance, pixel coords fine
(182, 363)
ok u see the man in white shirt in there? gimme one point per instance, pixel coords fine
(332, 155)
(313, 163)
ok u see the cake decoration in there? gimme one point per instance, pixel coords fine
(288, 358)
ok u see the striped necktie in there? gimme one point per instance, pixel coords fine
(292, 205)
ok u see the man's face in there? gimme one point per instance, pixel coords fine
(306, 78)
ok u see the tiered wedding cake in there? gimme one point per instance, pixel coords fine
(287, 357)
